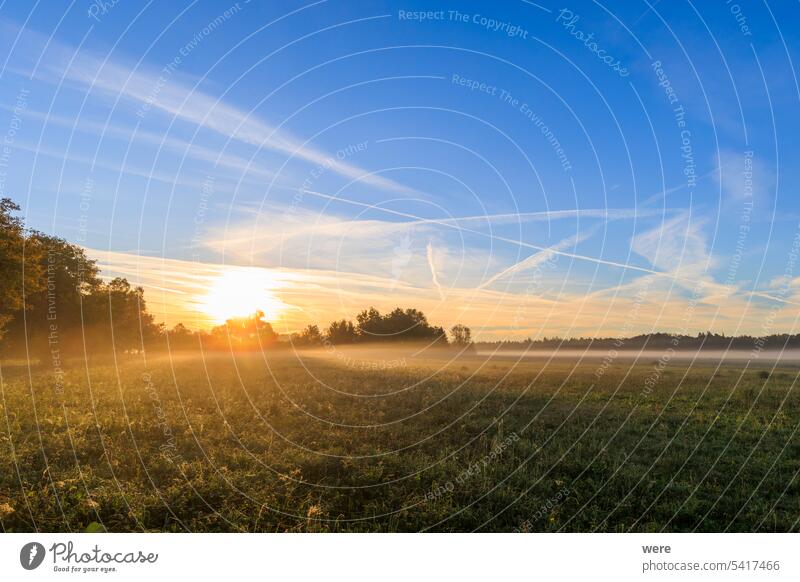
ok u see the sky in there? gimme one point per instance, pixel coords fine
(528, 169)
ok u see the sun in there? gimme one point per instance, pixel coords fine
(240, 292)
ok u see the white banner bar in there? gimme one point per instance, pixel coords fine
(401, 557)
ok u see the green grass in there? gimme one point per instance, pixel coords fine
(206, 445)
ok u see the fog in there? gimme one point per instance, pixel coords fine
(399, 355)
(784, 357)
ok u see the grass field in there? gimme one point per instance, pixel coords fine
(359, 444)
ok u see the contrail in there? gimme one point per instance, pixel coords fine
(538, 258)
(768, 296)
(606, 213)
(447, 224)
(433, 271)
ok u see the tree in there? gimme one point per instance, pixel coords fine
(370, 324)
(243, 333)
(73, 308)
(461, 335)
(310, 336)
(342, 332)
(180, 337)
(20, 270)
(61, 307)
(399, 324)
(130, 322)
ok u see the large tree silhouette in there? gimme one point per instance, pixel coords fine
(15, 280)
(53, 301)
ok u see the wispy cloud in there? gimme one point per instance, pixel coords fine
(448, 223)
(175, 289)
(117, 168)
(744, 178)
(676, 245)
(291, 232)
(241, 166)
(151, 89)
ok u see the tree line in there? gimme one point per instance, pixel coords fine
(371, 326)
(54, 303)
(254, 333)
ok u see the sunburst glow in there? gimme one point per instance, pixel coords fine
(240, 292)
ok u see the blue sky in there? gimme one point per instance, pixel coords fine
(527, 168)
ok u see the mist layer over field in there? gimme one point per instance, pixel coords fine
(789, 357)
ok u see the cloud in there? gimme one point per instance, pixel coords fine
(175, 290)
(126, 169)
(170, 92)
(743, 177)
(332, 278)
(241, 166)
(298, 236)
(677, 246)
(511, 217)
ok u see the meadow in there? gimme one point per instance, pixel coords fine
(391, 441)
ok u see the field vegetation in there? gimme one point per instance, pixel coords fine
(388, 439)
